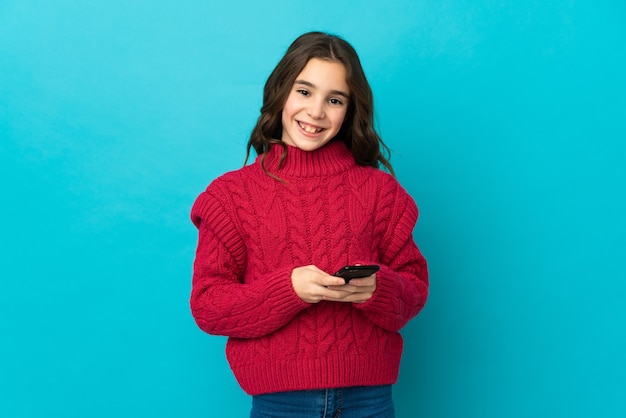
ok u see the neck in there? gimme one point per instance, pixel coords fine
(332, 158)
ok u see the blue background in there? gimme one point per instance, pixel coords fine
(508, 123)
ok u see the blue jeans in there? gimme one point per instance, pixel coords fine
(352, 402)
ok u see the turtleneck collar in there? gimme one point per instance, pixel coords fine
(332, 158)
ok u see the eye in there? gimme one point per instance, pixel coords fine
(303, 92)
(336, 102)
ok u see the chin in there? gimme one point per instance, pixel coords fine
(309, 146)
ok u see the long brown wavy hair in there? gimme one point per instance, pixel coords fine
(357, 130)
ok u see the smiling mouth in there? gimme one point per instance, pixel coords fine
(309, 128)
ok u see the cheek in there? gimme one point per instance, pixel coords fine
(339, 118)
(287, 112)
(290, 105)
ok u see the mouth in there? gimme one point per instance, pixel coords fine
(309, 129)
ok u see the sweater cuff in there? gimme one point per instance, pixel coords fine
(382, 299)
(279, 287)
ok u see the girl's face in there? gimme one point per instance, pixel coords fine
(316, 106)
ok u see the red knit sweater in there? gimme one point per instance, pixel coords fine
(330, 212)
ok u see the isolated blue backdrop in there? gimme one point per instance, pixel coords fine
(507, 120)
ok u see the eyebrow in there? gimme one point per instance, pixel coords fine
(309, 84)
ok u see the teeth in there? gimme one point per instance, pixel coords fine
(310, 129)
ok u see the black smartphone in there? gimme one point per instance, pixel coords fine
(355, 272)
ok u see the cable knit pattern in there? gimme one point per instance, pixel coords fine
(330, 212)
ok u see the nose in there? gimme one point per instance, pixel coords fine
(316, 109)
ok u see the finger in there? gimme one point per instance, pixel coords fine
(352, 297)
(348, 288)
(364, 281)
(360, 291)
(356, 287)
(335, 295)
(328, 280)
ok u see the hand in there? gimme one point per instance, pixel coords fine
(313, 285)
(358, 290)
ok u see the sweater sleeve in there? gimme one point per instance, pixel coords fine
(221, 303)
(402, 281)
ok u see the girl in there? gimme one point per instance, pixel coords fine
(302, 341)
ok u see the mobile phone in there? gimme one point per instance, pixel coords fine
(355, 272)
